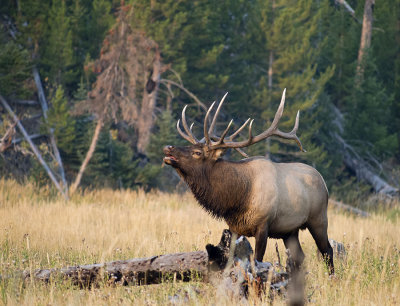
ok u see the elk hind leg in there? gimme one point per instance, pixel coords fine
(261, 243)
(293, 244)
(320, 234)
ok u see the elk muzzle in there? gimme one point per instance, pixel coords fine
(169, 158)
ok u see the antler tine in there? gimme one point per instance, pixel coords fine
(206, 135)
(214, 121)
(241, 152)
(186, 127)
(221, 140)
(239, 130)
(272, 130)
(292, 133)
(193, 141)
(250, 131)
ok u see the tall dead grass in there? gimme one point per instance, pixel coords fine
(39, 229)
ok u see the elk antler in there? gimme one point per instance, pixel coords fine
(214, 142)
(189, 135)
(271, 131)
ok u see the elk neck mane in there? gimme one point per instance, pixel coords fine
(222, 188)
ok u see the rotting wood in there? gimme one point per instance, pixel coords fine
(138, 271)
(207, 265)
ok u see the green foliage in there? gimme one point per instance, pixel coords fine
(286, 31)
(61, 122)
(14, 69)
(154, 173)
(112, 165)
(217, 46)
(164, 134)
(58, 52)
(368, 111)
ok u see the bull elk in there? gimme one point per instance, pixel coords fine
(255, 196)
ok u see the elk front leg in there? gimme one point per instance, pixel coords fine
(261, 243)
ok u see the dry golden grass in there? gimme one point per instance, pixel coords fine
(38, 229)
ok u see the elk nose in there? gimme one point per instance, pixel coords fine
(168, 148)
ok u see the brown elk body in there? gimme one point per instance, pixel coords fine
(255, 196)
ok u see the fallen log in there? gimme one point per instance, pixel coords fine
(215, 263)
(353, 161)
(138, 271)
(348, 208)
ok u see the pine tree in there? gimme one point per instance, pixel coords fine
(153, 174)
(57, 55)
(60, 120)
(14, 69)
(289, 49)
(368, 110)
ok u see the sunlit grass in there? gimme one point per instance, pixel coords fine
(39, 229)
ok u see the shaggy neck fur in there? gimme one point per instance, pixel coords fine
(222, 188)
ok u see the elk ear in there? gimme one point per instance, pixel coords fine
(218, 153)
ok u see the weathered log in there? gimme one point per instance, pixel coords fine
(217, 262)
(138, 271)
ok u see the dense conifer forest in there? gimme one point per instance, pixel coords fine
(99, 85)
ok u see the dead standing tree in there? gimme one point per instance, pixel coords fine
(128, 61)
(366, 35)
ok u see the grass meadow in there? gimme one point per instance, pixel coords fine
(40, 230)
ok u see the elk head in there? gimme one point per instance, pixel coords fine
(210, 148)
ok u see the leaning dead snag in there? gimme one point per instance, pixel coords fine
(45, 108)
(34, 148)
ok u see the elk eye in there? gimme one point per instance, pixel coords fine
(197, 153)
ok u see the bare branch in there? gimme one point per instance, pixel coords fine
(189, 93)
(26, 102)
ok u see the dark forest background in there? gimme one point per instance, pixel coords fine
(99, 85)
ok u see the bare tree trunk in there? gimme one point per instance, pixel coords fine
(34, 148)
(43, 103)
(366, 35)
(270, 70)
(88, 156)
(146, 117)
(270, 77)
